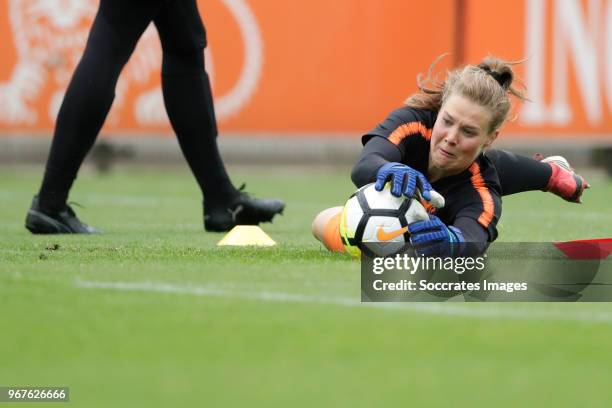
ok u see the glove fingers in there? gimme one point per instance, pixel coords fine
(381, 179)
(432, 224)
(421, 226)
(398, 181)
(410, 185)
(424, 186)
(434, 236)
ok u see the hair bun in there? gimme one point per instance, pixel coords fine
(503, 78)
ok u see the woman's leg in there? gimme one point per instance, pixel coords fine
(189, 103)
(326, 228)
(188, 97)
(115, 31)
(519, 173)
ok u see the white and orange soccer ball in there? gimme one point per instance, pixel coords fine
(378, 216)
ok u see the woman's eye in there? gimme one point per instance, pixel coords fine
(447, 122)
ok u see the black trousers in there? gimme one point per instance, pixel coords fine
(188, 99)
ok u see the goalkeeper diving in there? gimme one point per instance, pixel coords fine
(441, 141)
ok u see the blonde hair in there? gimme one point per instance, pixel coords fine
(487, 84)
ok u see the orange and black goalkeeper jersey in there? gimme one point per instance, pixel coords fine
(473, 197)
(410, 130)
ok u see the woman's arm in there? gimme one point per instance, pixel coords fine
(377, 152)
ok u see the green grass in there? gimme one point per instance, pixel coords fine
(273, 327)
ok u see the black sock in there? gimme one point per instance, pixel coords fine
(519, 173)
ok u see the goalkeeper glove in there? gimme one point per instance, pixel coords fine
(434, 238)
(404, 180)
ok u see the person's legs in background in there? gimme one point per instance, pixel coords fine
(189, 103)
(115, 31)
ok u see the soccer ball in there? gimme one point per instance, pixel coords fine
(378, 216)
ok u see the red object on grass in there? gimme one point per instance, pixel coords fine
(598, 248)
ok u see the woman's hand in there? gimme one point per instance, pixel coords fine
(434, 238)
(404, 180)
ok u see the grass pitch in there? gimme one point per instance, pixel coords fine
(151, 313)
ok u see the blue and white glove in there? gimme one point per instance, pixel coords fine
(404, 180)
(434, 238)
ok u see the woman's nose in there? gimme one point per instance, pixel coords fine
(451, 136)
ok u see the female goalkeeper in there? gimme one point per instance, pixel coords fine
(439, 140)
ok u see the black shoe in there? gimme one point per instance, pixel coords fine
(243, 210)
(63, 222)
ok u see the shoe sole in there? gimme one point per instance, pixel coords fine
(39, 223)
(559, 161)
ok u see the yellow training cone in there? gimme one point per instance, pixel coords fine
(245, 235)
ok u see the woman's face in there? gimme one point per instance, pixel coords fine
(459, 135)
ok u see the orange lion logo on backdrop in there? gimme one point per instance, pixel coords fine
(49, 37)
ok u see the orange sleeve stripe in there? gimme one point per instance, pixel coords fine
(331, 236)
(409, 129)
(487, 201)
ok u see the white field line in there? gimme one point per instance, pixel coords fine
(468, 310)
